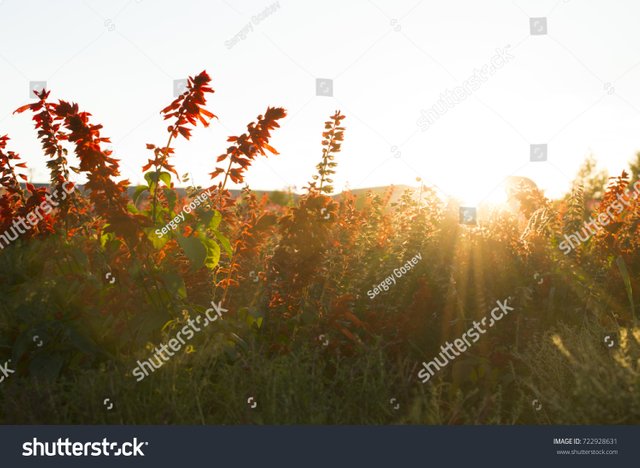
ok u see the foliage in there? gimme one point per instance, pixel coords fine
(100, 280)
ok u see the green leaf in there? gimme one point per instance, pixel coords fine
(226, 245)
(212, 219)
(139, 191)
(175, 284)
(152, 180)
(195, 250)
(251, 320)
(171, 197)
(168, 325)
(622, 266)
(166, 178)
(213, 252)
(105, 237)
(157, 242)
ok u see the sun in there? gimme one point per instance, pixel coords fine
(470, 195)
(473, 192)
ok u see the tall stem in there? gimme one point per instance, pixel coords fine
(224, 183)
(157, 166)
(325, 157)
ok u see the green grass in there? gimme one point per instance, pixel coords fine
(308, 386)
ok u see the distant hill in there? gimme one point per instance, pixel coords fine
(277, 195)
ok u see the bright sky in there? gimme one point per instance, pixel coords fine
(571, 89)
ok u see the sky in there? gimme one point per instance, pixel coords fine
(499, 80)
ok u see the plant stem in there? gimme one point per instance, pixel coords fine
(156, 162)
(325, 157)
